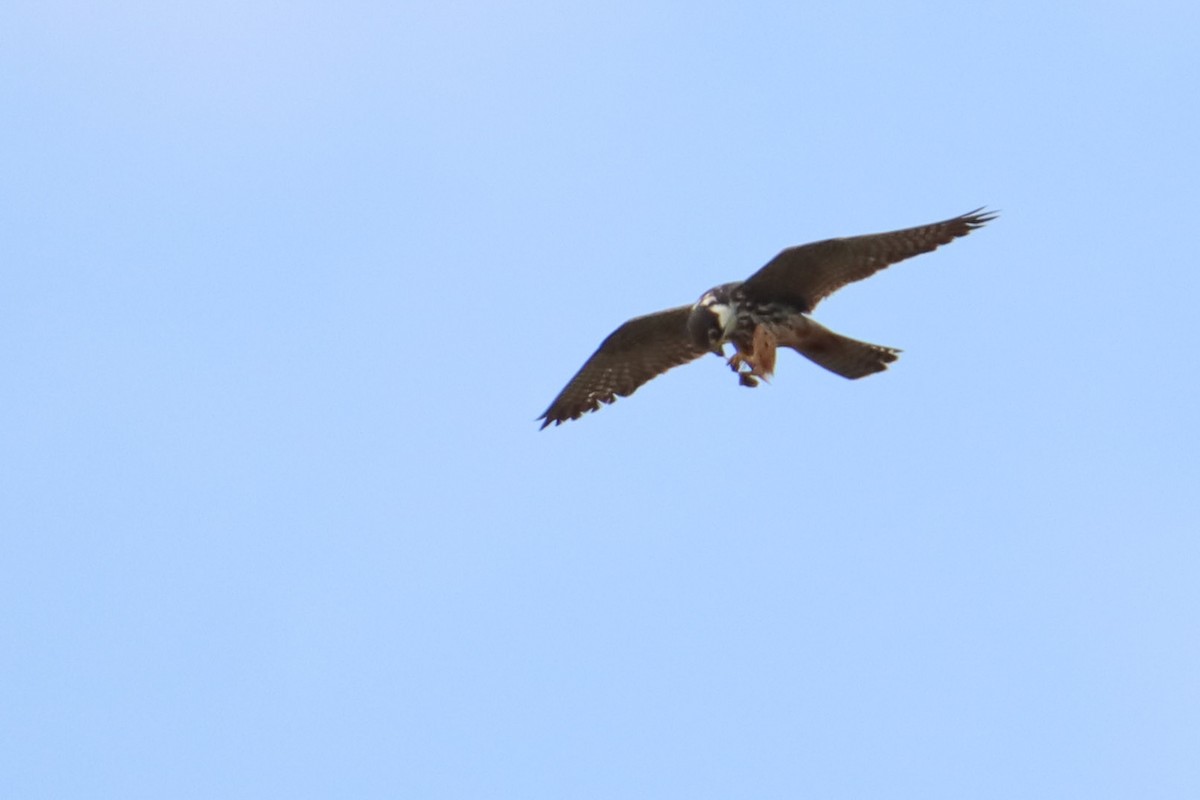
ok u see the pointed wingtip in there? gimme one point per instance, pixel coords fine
(979, 217)
(547, 420)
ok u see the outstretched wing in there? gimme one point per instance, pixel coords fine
(641, 349)
(804, 276)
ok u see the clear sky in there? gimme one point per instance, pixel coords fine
(283, 287)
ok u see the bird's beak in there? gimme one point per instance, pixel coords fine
(718, 349)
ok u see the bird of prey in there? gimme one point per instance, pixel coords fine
(769, 309)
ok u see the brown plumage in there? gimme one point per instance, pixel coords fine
(641, 349)
(805, 275)
(768, 310)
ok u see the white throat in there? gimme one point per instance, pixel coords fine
(725, 318)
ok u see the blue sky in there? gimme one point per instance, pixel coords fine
(286, 285)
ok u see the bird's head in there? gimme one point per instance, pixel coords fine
(712, 320)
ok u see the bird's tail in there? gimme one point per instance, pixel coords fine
(847, 357)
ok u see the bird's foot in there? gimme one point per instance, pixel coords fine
(750, 375)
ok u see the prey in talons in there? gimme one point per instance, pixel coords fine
(759, 359)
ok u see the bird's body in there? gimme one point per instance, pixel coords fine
(768, 310)
(757, 329)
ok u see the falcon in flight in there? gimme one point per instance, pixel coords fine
(769, 309)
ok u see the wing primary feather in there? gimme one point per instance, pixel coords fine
(805, 275)
(637, 351)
